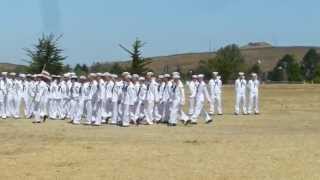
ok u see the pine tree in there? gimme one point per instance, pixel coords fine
(138, 63)
(46, 55)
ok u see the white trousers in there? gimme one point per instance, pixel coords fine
(241, 102)
(3, 109)
(253, 103)
(139, 110)
(174, 112)
(125, 117)
(199, 110)
(216, 105)
(149, 108)
(12, 106)
(115, 107)
(191, 105)
(75, 114)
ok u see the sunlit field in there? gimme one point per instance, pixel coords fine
(281, 143)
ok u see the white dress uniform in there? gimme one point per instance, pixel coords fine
(86, 100)
(215, 86)
(141, 96)
(108, 98)
(183, 116)
(41, 100)
(176, 99)
(116, 95)
(12, 99)
(127, 101)
(253, 87)
(240, 88)
(3, 97)
(20, 95)
(53, 100)
(201, 95)
(165, 101)
(64, 103)
(192, 85)
(151, 98)
(30, 102)
(75, 113)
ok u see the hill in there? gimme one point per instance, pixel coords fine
(268, 55)
(8, 67)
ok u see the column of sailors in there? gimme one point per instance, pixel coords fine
(121, 100)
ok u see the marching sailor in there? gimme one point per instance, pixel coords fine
(215, 86)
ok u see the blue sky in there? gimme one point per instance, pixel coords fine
(92, 29)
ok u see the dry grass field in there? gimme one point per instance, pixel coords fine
(282, 143)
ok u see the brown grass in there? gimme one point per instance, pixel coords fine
(281, 143)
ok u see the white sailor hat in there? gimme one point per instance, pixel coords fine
(194, 76)
(253, 74)
(167, 76)
(160, 76)
(12, 74)
(114, 76)
(200, 76)
(176, 76)
(141, 79)
(93, 75)
(175, 73)
(241, 73)
(29, 75)
(4, 73)
(106, 74)
(83, 77)
(125, 73)
(74, 77)
(46, 73)
(150, 73)
(215, 73)
(72, 74)
(128, 76)
(22, 75)
(136, 76)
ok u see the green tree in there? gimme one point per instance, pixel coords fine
(309, 64)
(116, 69)
(46, 55)
(85, 68)
(79, 70)
(228, 62)
(138, 63)
(287, 68)
(255, 69)
(317, 74)
(66, 68)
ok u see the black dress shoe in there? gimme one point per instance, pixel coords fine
(187, 122)
(45, 118)
(209, 121)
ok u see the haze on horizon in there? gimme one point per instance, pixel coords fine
(93, 29)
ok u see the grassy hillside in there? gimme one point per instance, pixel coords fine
(8, 67)
(268, 55)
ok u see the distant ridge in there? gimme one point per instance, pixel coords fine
(265, 52)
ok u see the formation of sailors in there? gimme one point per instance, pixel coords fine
(120, 100)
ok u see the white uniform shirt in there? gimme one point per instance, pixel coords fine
(240, 86)
(215, 86)
(253, 86)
